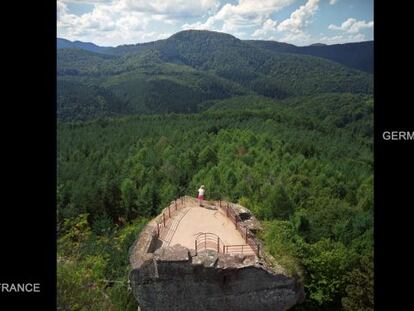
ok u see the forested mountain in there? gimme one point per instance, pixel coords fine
(88, 46)
(287, 135)
(198, 66)
(358, 55)
(142, 83)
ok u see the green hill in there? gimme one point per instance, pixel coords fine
(179, 73)
(79, 101)
(268, 73)
(357, 55)
(142, 83)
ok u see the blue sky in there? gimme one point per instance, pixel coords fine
(300, 22)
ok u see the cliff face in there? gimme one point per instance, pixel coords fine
(178, 278)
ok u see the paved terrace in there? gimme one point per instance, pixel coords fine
(185, 221)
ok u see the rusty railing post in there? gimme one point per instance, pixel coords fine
(218, 245)
(195, 246)
(169, 212)
(175, 203)
(158, 229)
(224, 249)
(246, 234)
(163, 218)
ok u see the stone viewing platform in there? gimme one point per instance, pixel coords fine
(207, 258)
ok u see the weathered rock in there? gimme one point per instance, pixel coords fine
(247, 217)
(177, 278)
(206, 258)
(175, 253)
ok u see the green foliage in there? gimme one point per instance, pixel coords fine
(326, 263)
(316, 193)
(103, 225)
(303, 164)
(284, 245)
(76, 290)
(358, 55)
(74, 234)
(360, 288)
(79, 101)
(207, 156)
(195, 66)
(277, 203)
(93, 265)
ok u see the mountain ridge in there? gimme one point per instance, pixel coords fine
(357, 55)
(88, 46)
(196, 67)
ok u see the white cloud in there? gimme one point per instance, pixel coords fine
(293, 29)
(300, 18)
(106, 24)
(351, 31)
(299, 38)
(332, 40)
(355, 38)
(100, 19)
(342, 38)
(87, 1)
(113, 22)
(172, 8)
(332, 2)
(61, 9)
(351, 25)
(242, 15)
(266, 31)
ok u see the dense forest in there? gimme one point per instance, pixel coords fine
(357, 55)
(302, 162)
(195, 66)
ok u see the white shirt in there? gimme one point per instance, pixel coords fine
(201, 191)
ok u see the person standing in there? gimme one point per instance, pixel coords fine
(201, 192)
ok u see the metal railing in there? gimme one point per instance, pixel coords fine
(163, 227)
(243, 249)
(211, 241)
(163, 224)
(228, 209)
(216, 198)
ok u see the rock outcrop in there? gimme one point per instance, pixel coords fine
(178, 278)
